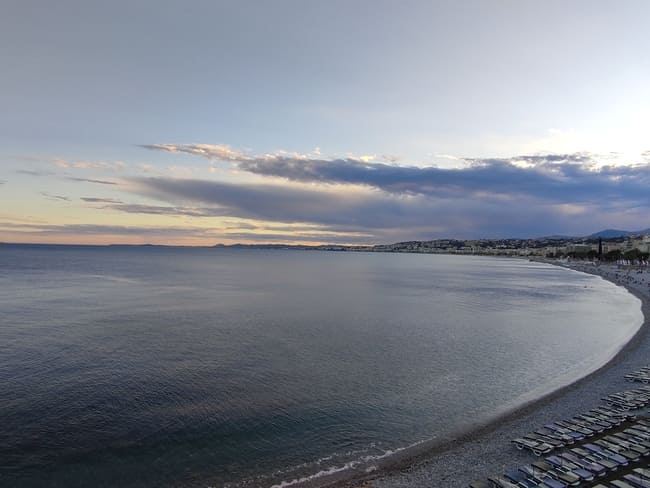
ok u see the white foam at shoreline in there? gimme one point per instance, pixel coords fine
(347, 466)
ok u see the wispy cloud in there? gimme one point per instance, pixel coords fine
(91, 180)
(167, 234)
(100, 200)
(50, 196)
(165, 210)
(221, 152)
(98, 229)
(33, 172)
(39, 173)
(85, 164)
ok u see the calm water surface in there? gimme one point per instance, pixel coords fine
(142, 367)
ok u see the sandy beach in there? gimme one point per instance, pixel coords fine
(488, 450)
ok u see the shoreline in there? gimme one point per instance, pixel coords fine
(485, 449)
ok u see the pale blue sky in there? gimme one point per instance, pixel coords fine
(413, 83)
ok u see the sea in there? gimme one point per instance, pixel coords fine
(217, 367)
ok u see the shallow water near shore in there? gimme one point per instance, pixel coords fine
(197, 367)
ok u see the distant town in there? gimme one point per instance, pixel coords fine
(606, 246)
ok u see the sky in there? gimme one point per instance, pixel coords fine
(338, 121)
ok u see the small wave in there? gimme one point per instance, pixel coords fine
(367, 463)
(118, 279)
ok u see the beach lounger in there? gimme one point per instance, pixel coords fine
(638, 395)
(637, 481)
(641, 445)
(520, 479)
(575, 428)
(612, 420)
(615, 448)
(595, 449)
(537, 476)
(643, 422)
(642, 378)
(620, 404)
(605, 423)
(643, 431)
(604, 461)
(538, 448)
(629, 400)
(611, 410)
(595, 425)
(595, 468)
(555, 435)
(634, 446)
(615, 413)
(556, 428)
(541, 438)
(626, 401)
(631, 438)
(642, 472)
(499, 482)
(610, 413)
(638, 433)
(640, 425)
(621, 484)
(563, 464)
(549, 469)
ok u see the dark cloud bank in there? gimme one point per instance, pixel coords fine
(523, 196)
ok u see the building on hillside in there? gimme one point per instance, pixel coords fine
(641, 243)
(578, 248)
(613, 246)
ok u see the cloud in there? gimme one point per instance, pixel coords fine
(70, 178)
(97, 165)
(550, 177)
(33, 172)
(329, 237)
(221, 152)
(355, 199)
(90, 180)
(567, 178)
(162, 235)
(385, 216)
(98, 229)
(261, 201)
(100, 200)
(50, 196)
(165, 210)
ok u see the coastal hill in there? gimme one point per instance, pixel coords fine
(608, 233)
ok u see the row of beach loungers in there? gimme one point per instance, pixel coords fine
(586, 464)
(637, 478)
(630, 399)
(642, 375)
(566, 432)
(619, 439)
